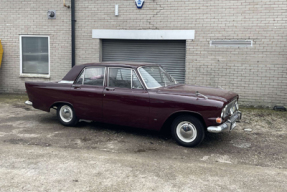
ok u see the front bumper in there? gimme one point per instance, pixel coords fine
(228, 125)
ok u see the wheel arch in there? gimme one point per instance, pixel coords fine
(56, 104)
(167, 124)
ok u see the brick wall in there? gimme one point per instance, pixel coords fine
(258, 73)
(30, 18)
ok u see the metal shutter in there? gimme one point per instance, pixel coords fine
(169, 54)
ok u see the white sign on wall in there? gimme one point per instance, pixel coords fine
(139, 3)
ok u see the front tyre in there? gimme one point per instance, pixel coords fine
(188, 131)
(66, 115)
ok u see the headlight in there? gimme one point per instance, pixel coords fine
(229, 109)
(223, 113)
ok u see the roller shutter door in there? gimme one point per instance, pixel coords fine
(169, 54)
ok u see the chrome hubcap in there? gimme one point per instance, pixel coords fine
(66, 113)
(186, 131)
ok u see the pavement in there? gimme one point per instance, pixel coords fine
(37, 153)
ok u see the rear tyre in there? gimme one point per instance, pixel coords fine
(188, 131)
(66, 115)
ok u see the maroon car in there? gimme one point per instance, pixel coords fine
(138, 95)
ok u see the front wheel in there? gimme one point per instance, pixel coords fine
(66, 115)
(188, 131)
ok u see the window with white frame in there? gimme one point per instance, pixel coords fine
(34, 55)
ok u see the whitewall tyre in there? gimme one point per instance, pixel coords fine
(188, 130)
(66, 115)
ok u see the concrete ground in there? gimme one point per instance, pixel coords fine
(37, 153)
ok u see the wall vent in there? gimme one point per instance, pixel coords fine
(231, 43)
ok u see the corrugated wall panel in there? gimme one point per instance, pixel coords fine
(169, 54)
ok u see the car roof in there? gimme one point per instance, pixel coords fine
(120, 64)
(74, 72)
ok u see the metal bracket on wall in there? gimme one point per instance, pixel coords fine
(51, 14)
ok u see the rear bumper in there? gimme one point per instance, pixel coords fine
(228, 125)
(28, 103)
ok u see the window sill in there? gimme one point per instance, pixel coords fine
(36, 75)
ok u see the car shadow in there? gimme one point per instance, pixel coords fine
(210, 141)
(118, 129)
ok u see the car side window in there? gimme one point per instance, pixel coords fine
(124, 78)
(92, 76)
(120, 77)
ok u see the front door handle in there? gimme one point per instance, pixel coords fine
(110, 89)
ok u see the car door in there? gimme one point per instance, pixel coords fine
(125, 101)
(87, 93)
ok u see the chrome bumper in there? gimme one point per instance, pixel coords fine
(28, 103)
(228, 125)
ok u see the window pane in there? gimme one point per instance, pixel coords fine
(94, 76)
(150, 77)
(119, 77)
(35, 55)
(136, 83)
(156, 77)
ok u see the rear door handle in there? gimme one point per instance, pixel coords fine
(76, 86)
(110, 89)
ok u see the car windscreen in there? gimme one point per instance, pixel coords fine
(155, 77)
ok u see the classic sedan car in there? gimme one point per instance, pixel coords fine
(138, 95)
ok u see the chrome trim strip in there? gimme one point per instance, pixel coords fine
(108, 77)
(83, 76)
(227, 126)
(104, 77)
(139, 79)
(79, 75)
(28, 103)
(67, 82)
(199, 94)
(131, 79)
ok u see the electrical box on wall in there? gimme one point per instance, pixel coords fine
(51, 14)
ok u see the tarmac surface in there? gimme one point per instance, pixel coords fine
(37, 153)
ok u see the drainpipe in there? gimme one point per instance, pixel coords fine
(73, 31)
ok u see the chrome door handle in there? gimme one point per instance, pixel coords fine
(110, 89)
(76, 86)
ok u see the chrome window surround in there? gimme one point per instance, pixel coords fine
(67, 82)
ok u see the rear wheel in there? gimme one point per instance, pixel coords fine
(66, 115)
(188, 130)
